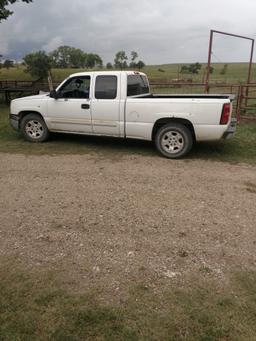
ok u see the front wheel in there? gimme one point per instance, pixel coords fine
(173, 140)
(33, 128)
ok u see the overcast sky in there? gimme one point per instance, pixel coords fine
(163, 31)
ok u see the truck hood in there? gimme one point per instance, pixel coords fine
(34, 97)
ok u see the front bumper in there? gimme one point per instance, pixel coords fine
(231, 129)
(14, 121)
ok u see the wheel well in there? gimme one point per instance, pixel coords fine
(163, 121)
(22, 114)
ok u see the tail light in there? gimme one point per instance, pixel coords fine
(225, 113)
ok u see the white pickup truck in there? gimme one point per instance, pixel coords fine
(120, 104)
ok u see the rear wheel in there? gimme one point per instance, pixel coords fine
(173, 140)
(33, 128)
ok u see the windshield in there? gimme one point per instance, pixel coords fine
(137, 85)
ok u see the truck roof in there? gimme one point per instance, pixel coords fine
(114, 72)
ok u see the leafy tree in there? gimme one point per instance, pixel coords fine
(4, 12)
(134, 55)
(61, 57)
(67, 56)
(120, 60)
(109, 66)
(194, 68)
(140, 65)
(98, 61)
(184, 69)
(191, 68)
(77, 58)
(93, 60)
(8, 64)
(224, 70)
(38, 64)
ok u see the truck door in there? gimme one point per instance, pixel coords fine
(105, 105)
(71, 111)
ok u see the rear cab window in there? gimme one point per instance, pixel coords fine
(106, 87)
(137, 84)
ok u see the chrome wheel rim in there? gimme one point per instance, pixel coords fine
(172, 142)
(34, 129)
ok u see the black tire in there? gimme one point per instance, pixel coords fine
(179, 140)
(33, 128)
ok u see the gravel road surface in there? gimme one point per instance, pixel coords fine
(109, 222)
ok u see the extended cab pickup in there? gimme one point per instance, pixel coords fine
(120, 104)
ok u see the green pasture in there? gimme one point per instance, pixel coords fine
(236, 72)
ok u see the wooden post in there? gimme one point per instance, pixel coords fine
(50, 83)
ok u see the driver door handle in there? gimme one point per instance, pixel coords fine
(85, 106)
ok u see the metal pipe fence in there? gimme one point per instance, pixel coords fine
(245, 94)
(243, 105)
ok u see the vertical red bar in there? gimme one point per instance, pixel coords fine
(206, 89)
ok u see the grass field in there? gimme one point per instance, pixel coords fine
(239, 149)
(35, 306)
(236, 72)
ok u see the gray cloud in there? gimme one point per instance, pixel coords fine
(163, 31)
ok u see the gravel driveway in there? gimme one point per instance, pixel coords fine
(98, 221)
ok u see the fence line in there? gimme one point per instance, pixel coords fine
(244, 103)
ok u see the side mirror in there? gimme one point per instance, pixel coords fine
(54, 94)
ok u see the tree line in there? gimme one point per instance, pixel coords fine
(196, 67)
(39, 63)
(121, 61)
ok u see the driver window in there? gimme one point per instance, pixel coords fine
(76, 87)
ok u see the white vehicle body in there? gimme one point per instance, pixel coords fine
(117, 113)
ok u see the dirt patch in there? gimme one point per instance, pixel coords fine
(139, 219)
